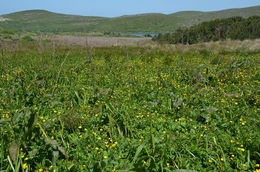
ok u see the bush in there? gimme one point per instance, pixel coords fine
(8, 32)
(235, 28)
(27, 38)
(47, 40)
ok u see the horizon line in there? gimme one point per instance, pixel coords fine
(128, 14)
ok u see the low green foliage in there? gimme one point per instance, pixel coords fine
(27, 38)
(128, 109)
(8, 32)
(46, 40)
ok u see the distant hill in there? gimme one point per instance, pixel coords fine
(45, 21)
(41, 20)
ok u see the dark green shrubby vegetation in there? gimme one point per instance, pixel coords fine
(27, 38)
(234, 28)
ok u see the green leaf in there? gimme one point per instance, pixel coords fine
(153, 142)
(13, 151)
(138, 151)
(183, 170)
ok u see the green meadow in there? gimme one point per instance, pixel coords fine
(128, 108)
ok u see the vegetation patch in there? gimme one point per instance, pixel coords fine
(235, 28)
(127, 108)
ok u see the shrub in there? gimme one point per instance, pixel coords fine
(27, 38)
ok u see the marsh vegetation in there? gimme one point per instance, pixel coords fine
(70, 107)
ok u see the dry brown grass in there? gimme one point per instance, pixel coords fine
(99, 41)
(228, 45)
(75, 41)
(3, 19)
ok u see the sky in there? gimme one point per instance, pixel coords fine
(115, 8)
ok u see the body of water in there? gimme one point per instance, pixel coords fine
(141, 34)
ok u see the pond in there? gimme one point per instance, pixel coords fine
(140, 34)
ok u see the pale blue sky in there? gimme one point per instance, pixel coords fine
(113, 8)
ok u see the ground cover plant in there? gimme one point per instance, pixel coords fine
(128, 108)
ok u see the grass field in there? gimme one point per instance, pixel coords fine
(128, 108)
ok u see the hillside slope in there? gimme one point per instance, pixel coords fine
(41, 20)
(45, 21)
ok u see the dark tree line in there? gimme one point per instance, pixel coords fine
(235, 28)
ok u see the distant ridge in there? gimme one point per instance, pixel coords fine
(46, 21)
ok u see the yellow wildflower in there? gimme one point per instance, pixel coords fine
(25, 166)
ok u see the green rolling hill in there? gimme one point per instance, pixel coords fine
(45, 21)
(40, 20)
